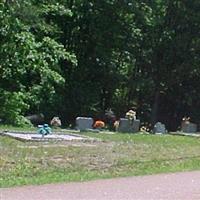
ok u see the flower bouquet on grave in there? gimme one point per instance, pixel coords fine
(44, 129)
(131, 116)
(99, 124)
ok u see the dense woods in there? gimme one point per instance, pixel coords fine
(71, 58)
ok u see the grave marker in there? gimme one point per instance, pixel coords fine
(189, 128)
(127, 126)
(84, 123)
(159, 128)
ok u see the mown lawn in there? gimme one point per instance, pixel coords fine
(114, 155)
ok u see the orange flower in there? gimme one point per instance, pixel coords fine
(99, 124)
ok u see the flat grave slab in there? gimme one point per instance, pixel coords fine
(186, 134)
(50, 137)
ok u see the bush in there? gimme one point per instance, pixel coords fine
(13, 107)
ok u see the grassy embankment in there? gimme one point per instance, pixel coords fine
(116, 155)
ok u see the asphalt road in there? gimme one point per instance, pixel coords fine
(175, 186)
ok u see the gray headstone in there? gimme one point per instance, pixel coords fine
(36, 119)
(189, 128)
(136, 125)
(159, 128)
(84, 123)
(127, 126)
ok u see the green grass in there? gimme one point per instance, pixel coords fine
(9, 127)
(117, 155)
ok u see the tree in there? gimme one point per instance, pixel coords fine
(29, 67)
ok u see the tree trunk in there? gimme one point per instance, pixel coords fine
(154, 113)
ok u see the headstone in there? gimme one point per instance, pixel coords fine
(136, 125)
(159, 128)
(127, 126)
(84, 123)
(189, 128)
(36, 119)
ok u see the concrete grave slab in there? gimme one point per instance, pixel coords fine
(50, 137)
(197, 134)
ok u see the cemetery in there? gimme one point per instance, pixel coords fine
(95, 148)
(130, 124)
(98, 89)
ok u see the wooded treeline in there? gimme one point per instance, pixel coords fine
(73, 58)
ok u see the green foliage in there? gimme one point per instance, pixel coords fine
(30, 66)
(87, 56)
(56, 10)
(12, 105)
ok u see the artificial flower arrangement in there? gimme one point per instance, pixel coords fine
(99, 124)
(131, 115)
